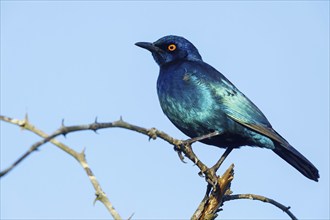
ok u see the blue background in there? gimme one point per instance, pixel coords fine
(76, 60)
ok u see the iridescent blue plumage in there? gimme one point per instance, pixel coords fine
(198, 100)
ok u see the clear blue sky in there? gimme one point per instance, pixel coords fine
(77, 60)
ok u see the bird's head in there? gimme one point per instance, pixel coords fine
(171, 48)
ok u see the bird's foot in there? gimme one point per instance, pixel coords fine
(210, 176)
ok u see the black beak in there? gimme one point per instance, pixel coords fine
(149, 46)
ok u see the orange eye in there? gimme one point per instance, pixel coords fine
(171, 47)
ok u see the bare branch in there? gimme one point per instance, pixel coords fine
(218, 188)
(262, 199)
(153, 133)
(209, 207)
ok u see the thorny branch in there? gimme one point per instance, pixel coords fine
(218, 189)
(80, 157)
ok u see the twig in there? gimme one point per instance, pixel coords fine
(262, 199)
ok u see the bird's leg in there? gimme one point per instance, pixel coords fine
(210, 174)
(222, 158)
(193, 140)
(181, 144)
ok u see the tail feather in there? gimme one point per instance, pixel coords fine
(297, 160)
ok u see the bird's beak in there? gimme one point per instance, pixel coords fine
(149, 46)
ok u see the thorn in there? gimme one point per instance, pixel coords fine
(129, 218)
(23, 122)
(26, 118)
(63, 126)
(152, 133)
(83, 151)
(94, 126)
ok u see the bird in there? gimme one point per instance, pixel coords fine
(199, 100)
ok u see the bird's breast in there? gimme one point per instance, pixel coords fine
(187, 102)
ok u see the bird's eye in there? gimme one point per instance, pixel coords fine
(171, 47)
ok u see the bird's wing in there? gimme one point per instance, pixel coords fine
(269, 132)
(242, 110)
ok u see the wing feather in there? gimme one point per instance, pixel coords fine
(243, 111)
(235, 104)
(269, 132)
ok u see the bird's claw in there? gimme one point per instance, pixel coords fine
(210, 177)
(176, 149)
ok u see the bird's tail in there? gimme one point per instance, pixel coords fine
(297, 160)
